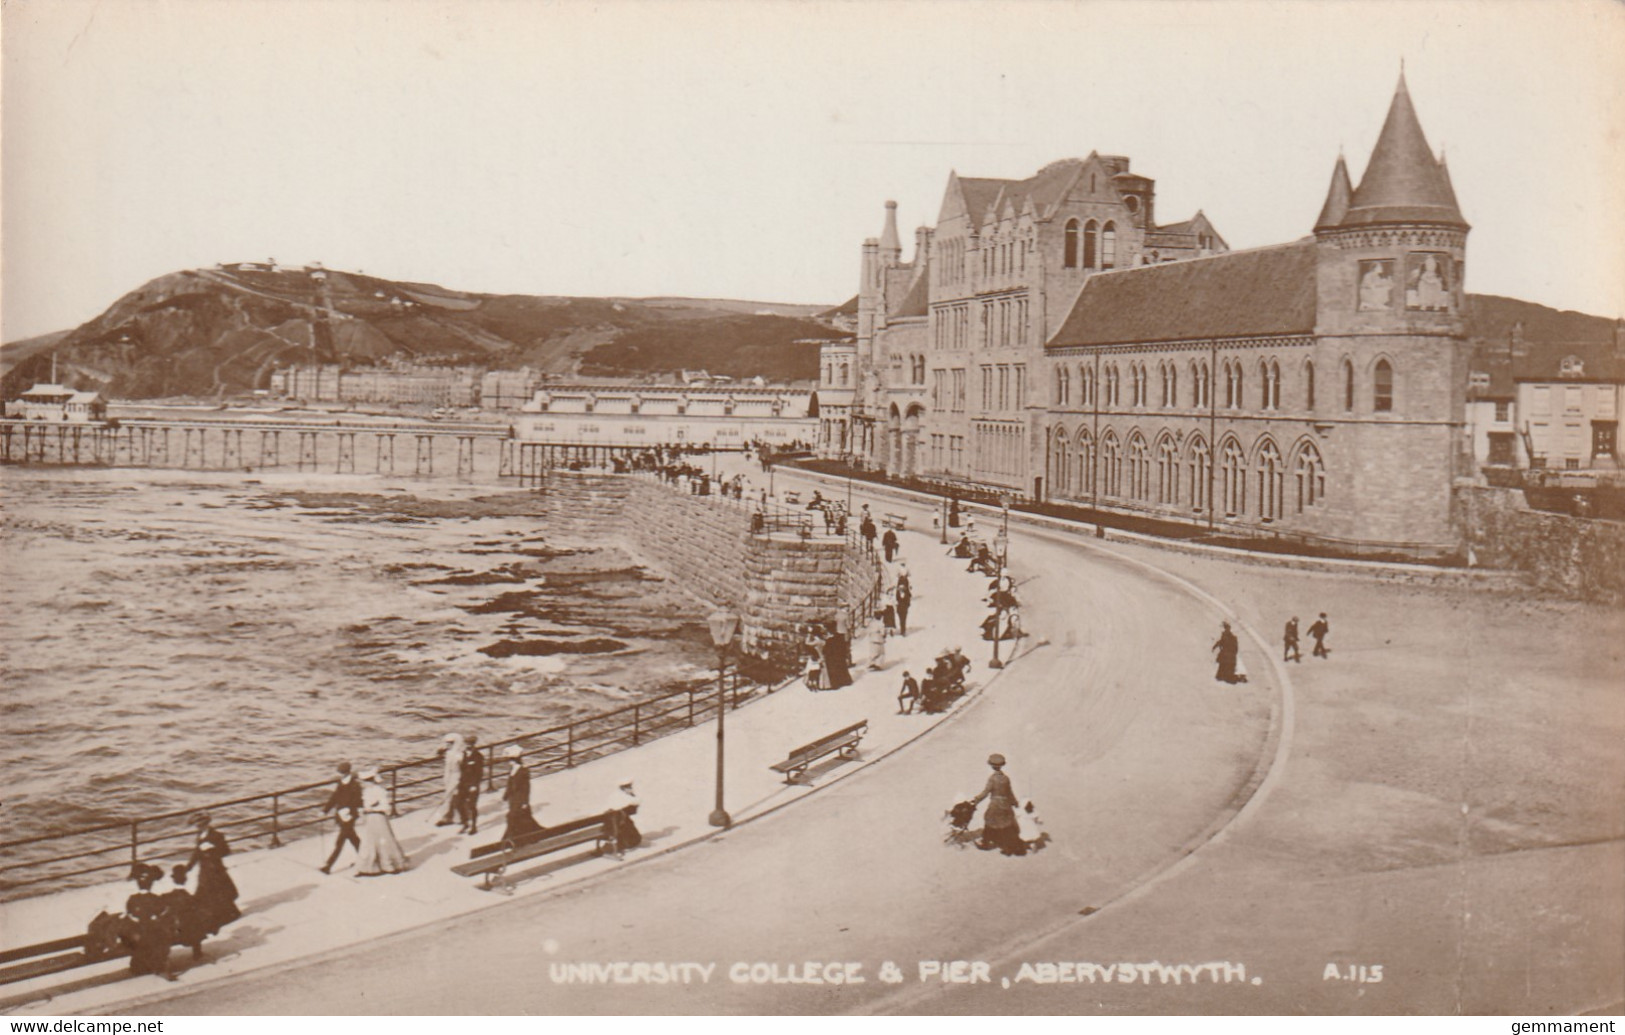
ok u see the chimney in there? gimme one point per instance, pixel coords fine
(922, 246)
(891, 249)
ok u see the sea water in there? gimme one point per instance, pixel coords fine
(168, 638)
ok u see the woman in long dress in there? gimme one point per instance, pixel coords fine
(447, 813)
(999, 827)
(216, 893)
(1228, 648)
(152, 924)
(837, 661)
(517, 794)
(186, 923)
(380, 852)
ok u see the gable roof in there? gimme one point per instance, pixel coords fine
(1257, 292)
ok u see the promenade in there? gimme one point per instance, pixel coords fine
(293, 912)
(1427, 822)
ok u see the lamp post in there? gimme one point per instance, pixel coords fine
(723, 625)
(998, 584)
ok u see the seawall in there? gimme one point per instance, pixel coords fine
(776, 582)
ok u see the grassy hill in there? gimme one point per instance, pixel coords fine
(223, 330)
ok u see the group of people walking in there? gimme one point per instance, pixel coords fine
(1227, 648)
(362, 804)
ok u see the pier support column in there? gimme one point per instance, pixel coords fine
(385, 458)
(307, 449)
(425, 455)
(465, 455)
(346, 449)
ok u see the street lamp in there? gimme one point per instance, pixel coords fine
(998, 584)
(723, 625)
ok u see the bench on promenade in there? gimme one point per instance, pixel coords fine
(491, 861)
(32, 961)
(792, 497)
(841, 742)
(896, 521)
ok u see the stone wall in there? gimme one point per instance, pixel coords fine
(1574, 556)
(776, 583)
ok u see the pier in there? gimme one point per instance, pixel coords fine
(338, 447)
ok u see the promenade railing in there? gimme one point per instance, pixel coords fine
(104, 851)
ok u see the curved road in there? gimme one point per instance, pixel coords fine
(1442, 831)
(1133, 752)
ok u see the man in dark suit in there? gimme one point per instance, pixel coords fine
(345, 804)
(472, 772)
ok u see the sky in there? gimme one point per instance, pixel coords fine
(745, 150)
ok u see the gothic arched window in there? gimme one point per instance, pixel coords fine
(1271, 475)
(1108, 246)
(1200, 461)
(1070, 258)
(1091, 236)
(1309, 384)
(1348, 386)
(1311, 476)
(1167, 470)
(1382, 387)
(1111, 465)
(1233, 478)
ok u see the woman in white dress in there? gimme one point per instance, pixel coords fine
(380, 852)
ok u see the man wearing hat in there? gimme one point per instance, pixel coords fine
(1000, 829)
(621, 806)
(345, 804)
(470, 772)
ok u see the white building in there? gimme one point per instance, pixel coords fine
(648, 415)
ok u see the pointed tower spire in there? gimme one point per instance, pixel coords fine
(891, 246)
(1403, 182)
(1337, 197)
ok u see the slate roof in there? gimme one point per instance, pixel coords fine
(918, 300)
(1548, 335)
(1403, 182)
(1261, 291)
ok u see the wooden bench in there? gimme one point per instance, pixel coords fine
(897, 521)
(32, 961)
(842, 742)
(792, 497)
(491, 861)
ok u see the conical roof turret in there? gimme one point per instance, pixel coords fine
(1337, 197)
(1403, 182)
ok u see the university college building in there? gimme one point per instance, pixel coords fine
(1051, 339)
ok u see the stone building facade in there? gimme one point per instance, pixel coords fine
(950, 345)
(1076, 350)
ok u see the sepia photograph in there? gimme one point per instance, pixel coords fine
(972, 509)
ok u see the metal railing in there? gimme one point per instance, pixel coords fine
(77, 857)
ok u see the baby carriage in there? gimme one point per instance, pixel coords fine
(959, 820)
(963, 814)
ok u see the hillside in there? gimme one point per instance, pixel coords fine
(222, 331)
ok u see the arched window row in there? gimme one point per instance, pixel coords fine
(1275, 392)
(1262, 482)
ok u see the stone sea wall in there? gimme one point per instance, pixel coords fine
(776, 583)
